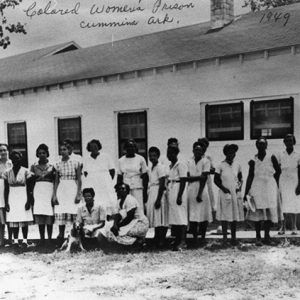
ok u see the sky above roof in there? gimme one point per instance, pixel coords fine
(45, 29)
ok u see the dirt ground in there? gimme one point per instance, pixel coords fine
(233, 273)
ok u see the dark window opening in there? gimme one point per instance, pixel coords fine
(133, 126)
(70, 128)
(225, 121)
(17, 140)
(272, 118)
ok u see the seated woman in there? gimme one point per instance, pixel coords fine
(129, 225)
(92, 216)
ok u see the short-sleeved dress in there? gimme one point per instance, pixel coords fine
(43, 191)
(18, 216)
(264, 191)
(66, 211)
(136, 229)
(131, 168)
(198, 211)
(96, 175)
(229, 207)
(95, 217)
(3, 167)
(157, 217)
(289, 181)
(177, 213)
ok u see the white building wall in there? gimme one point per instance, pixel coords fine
(174, 101)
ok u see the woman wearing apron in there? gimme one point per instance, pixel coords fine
(18, 200)
(99, 172)
(5, 164)
(44, 175)
(67, 191)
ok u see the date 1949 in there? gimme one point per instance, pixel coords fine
(276, 17)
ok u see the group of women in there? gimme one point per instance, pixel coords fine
(178, 195)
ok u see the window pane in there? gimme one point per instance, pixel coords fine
(224, 122)
(133, 126)
(273, 118)
(70, 128)
(17, 139)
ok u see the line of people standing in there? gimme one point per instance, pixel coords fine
(178, 195)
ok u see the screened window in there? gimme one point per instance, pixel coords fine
(225, 122)
(17, 139)
(272, 118)
(133, 126)
(70, 128)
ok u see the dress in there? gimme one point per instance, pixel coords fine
(289, 181)
(17, 198)
(230, 207)
(131, 168)
(42, 193)
(198, 211)
(95, 217)
(136, 229)
(96, 175)
(157, 217)
(3, 167)
(264, 191)
(177, 213)
(66, 211)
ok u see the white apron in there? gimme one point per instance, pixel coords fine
(2, 202)
(42, 194)
(66, 194)
(17, 199)
(177, 213)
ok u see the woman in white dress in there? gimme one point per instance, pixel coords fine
(157, 207)
(228, 178)
(18, 198)
(177, 198)
(129, 225)
(44, 176)
(289, 183)
(132, 170)
(5, 164)
(264, 172)
(199, 205)
(99, 172)
(67, 191)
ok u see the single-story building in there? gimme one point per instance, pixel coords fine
(232, 79)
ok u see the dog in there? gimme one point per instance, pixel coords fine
(75, 237)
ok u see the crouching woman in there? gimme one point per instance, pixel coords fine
(129, 225)
(92, 216)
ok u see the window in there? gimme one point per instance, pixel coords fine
(70, 128)
(272, 118)
(17, 139)
(225, 121)
(133, 126)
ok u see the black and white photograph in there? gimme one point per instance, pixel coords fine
(150, 149)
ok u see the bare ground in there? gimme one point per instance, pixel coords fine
(250, 273)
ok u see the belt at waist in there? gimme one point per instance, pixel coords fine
(173, 181)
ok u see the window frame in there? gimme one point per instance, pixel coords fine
(252, 102)
(241, 137)
(59, 138)
(25, 161)
(122, 113)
